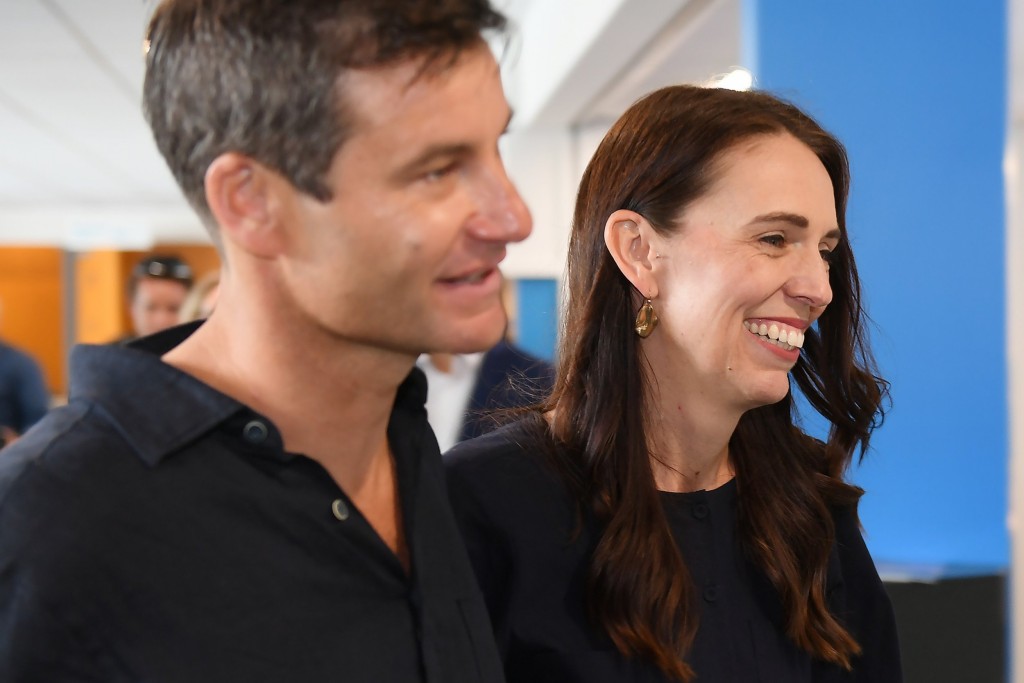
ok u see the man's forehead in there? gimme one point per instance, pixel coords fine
(373, 97)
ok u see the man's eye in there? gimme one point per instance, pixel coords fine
(440, 173)
(774, 240)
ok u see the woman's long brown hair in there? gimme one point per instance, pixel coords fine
(660, 156)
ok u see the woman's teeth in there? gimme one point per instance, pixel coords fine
(782, 337)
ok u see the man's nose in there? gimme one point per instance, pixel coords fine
(502, 215)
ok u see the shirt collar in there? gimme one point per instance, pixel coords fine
(156, 407)
(408, 430)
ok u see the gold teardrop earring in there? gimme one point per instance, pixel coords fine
(646, 320)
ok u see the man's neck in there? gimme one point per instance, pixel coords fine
(330, 401)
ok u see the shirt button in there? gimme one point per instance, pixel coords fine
(701, 510)
(339, 509)
(255, 432)
(710, 593)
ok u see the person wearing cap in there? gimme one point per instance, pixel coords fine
(157, 288)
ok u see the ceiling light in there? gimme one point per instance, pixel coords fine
(737, 79)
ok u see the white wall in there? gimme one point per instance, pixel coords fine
(1014, 167)
(85, 227)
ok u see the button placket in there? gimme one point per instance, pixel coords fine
(340, 510)
(255, 432)
(701, 511)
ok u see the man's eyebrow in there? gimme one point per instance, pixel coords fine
(446, 151)
(435, 152)
(793, 219)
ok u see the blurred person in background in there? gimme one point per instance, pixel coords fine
(201, 298)
(467, 393)
(470, 394)
(24, 397)
(157, 288)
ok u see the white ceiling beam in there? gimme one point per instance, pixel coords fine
(570, 51)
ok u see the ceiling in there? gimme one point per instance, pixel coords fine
(643, 45)
(73, 139)
(70, 91)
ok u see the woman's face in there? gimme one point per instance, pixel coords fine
(745, 274)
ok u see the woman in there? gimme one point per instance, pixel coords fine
(662, 517)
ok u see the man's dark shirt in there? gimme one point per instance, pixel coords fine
(155, 530)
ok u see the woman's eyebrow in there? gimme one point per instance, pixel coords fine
(794, 219)
(782, 217)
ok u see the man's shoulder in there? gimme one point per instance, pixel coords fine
(57, 474)
(60, 449)
(55, 434)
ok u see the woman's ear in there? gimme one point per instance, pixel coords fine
(628, 237)
(243, 196)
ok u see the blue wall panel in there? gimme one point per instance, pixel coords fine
(537, 316)
(916, 90)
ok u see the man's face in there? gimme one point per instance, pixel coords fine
(156, 304)
(405, 256)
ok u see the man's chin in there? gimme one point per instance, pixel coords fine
(482, 335)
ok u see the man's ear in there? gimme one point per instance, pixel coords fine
(628, 236)
(243, 196)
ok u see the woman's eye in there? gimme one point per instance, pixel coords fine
(826, 256)
(774, 240)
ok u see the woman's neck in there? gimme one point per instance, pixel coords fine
(688, 440)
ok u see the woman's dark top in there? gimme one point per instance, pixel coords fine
(518, 520)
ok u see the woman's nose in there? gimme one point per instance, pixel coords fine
(810, 282)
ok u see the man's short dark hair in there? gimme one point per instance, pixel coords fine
(161, 267)
(264, 78)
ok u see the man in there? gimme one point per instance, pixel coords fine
(157, 288)
(261, 499)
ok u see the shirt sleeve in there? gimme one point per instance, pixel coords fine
(36, 645)
(43, 636)
(865, 608)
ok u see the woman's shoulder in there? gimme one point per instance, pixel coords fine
(859, 599)
(517, 449)
(507, 474)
